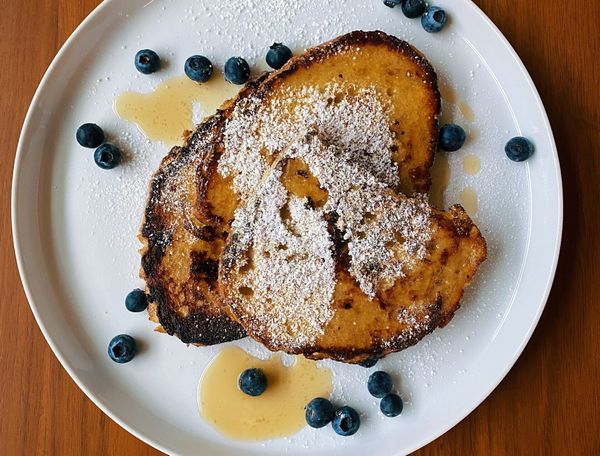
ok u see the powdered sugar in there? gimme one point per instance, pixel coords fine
(284, 268)
(356, 122)
(290, 272)
(387, 232)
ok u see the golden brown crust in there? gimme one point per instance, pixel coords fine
(162, 238)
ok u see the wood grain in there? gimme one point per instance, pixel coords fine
(548, 404)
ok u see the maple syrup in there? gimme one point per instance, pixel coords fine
(440, 178)
(278, 412)
(448, 94)
(165, 113)
(466, 111)
(468, 200)
(471, 164)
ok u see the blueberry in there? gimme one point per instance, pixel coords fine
(147, 61)
(319, 412)
(278, 54)
(107, 156)
(379, 384)
(237, 70)
(369, 362)
(391, 405)
(90, 135)
(122, 348)
(136, 301)
(253, 382)
(451, 137)
(391, 3)
(434, 19)
(519, 149)
(345, 421)
(198, 68)
(413, 8)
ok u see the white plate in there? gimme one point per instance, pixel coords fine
(75, 225)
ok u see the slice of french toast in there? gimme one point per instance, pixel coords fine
(180, 254)
(366, 273)
(178, 259)
(372, 94)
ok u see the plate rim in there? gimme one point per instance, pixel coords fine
(557, 242)
(18, 161)
(17, 243)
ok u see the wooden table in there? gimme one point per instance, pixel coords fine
(550, 401)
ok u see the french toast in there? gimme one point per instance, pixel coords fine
(370, 93)
(366, 273)
(180, 254)
(175, 261)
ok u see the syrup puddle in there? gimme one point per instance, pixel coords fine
(168, 111)
(466, 111)
(440, 178)
(448, 94)
(471, 164)
(278, 412)
(468, 200)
